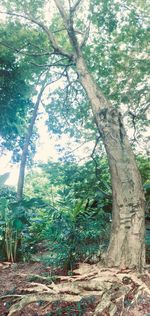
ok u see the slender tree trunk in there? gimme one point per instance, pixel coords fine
(24, 155)
(126, 248)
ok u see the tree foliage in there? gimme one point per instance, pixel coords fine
(14, 99)
(116, 44)
(115, 51)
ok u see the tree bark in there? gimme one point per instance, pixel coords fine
(28, 136)
(126, 248)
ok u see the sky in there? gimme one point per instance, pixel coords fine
(45, 150)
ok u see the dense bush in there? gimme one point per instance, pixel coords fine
(14, 225)
(17, 242)
(67, 210)
(76, 235)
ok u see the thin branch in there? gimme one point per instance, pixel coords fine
(137, 14)
(40, 77)
(19, 50)
(86, 36)
(69, 2)
(36, 46)
(62, 12)
(51, 38)
(72, 151)
(59, 30)
(68, 21)
(60, 76)
(56, 63)
(74, 7)
(96, 143)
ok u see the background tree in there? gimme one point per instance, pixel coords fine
(14, 100)
(27, 140)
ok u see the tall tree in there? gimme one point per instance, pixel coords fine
(27, 139)
(126, 248)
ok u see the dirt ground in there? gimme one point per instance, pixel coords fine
(15, 279)
(130, 294)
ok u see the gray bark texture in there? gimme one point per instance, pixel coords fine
(126, 248)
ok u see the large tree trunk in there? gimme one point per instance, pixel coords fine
(126, 248)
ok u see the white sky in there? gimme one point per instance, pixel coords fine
(45, 150)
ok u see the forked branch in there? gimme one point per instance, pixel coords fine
(68, 22)
(74, 7)
(52, 40)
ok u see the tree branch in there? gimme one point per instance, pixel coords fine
(86, 36)
(58, 63)
(60, 76)
(74, 7)
(20, 50)
(68, 21)
(51, 38)
(96, 143)
(28, 136)
(62, 12)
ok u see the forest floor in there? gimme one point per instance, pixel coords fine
(31, 289)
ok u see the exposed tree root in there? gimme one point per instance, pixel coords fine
(105, 303)
(31, 298)
(109, 287)
(35, 276)
(5, 265)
